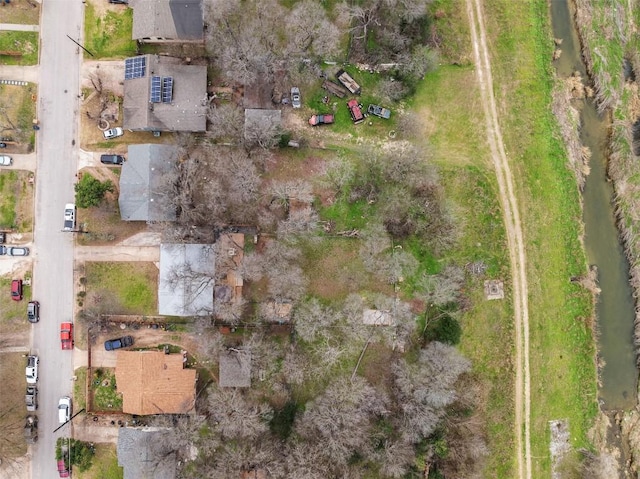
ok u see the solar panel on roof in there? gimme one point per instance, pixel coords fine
(156, 90)
(167, 89)
(135, 67)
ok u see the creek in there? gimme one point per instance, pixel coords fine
(617, 372)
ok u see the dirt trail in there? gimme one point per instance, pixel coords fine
(514, 237)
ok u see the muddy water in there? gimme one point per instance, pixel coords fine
(615, 308)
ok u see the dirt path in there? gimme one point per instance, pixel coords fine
(514, 237)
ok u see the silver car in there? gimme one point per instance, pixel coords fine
(113, 133)
(295, 97)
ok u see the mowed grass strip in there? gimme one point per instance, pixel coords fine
(128, 288)
(563, 374)
(108, 35)
(19, 48)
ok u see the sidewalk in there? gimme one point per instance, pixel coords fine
(117, 253)
(20, 73)
(17, 27)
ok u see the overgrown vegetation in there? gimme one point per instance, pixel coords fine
(12, 411)
(104, 390)
(90, 191)
(78, 454)
(109, 36)
(17, 112)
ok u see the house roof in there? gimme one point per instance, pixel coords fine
(376, 317)
(143, 455)
(235, 368)
(152, 382)
(167, 19)
(188, 106)
(142, 183)
(230, 247)
(186, 280)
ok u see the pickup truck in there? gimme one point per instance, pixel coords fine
(348, 82)
(377, 110)
(66, 335)
(355, 110)
(69, 217)
(31, 398)
(31, 429)
(321, 120)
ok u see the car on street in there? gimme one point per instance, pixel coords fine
(33, 311)
(31, 398)
(321, 120)
(377, 110)
(295, 97)
(69, 217)
(66, 335)
(111, 159)
(17, 251)
(5, 160)
(16, 290)
(64, 409)
(118, 343)
(112, 133)
(31, 429)
(31, 370)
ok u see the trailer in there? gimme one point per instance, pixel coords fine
(334, 88)
(348, 82)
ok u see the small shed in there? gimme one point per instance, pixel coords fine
(235, 368)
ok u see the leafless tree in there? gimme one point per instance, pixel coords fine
(311, 320)
(310, 32)
(443, 288)
(262, 131)
(300, 221)
(284, 192)
(235, 417)
(226, 122)
(362, 17)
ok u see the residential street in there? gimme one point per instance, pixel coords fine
(58, 88)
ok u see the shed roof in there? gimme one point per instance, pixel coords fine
(235, 368)
(188, 107)
(152, 382)
(142, 187)
(186, 280)
(180, 20)
(143, 455)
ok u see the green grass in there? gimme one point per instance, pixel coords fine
(79, 388)
(104, 390)
(109, 36)
(104, 464)
(132, 286)
(12, 405)
(26, 43)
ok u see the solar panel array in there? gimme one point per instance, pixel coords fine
(156, 90)
(135, 67)
(167, 89)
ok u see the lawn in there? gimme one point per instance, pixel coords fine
(12, 405)
(20, 48)
(19, 104)
(16, 201)
(13, 314)
(108, 32)
(79, 388)
(104, 464)
(104, 391)
(122, 288)
(24, 12)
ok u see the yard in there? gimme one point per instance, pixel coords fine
(12, 406)
(18, 104)
(14, 326)
(16, 201)
(104, 464)
(24, 12)
(19, 48)
(105, 396)
(108, 30)
(121, 288)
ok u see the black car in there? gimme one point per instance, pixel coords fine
(33, 311)
(119, 343)
(112, 159)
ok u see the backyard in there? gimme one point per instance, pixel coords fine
(17, 112)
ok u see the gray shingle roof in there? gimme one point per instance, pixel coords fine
(235, 369)
(188, 108)
(142, 183)
(180, 20)
(143, 455)
(186, 280)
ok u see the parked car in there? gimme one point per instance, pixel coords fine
(377, 110)
(33, 311)
(112, 133)
(119, 343)
(5, 160)
(32, 369)
(31, 429)
(321, 120)
(112, 159)
(64, 409)
(63, 470)
(16, 289)
(3, 237)
(31, 398)
(69, 217)
(66, 335)
(355, 110)
(295, 97)
(18, 251)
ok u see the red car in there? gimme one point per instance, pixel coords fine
(63, 470)
(356, 111)
(66, 335)
(321, 120)
(16, 289)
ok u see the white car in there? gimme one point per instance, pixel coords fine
(5, 160)
(64, 409)
(295, 97)
(113, 133)
(32, 369)
(69, 217)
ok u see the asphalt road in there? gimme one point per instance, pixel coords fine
(57, 154)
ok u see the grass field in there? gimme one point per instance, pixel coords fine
(128, 288)
(12, 405)
(24, 44)
(24, 12)
(19, 104)
(104, 464)
(562, 355)
(108, 34)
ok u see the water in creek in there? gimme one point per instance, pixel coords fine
(615, 308)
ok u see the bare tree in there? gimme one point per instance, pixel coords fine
(235, 417)
(444, 287)
(362, 17)
(311, 320)
(310, 32)
(226, 122)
